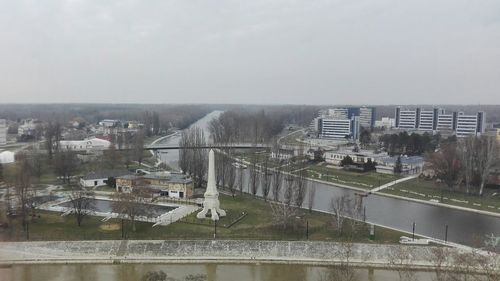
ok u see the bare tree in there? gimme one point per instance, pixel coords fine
(82, 204)
(65, 164)
(300, 187)
(192, 158)
(288, 193)
(38, 163)
(184, 153)
(129, 205)
(231, 179)
(310, 196)
(254, 179)
(283, 214)
(439, 257)
(400, 257)
(112, 158)
(340, 207)
(23, 188)
(138, 146)
(254, 173)
(240, 180)
(52, 137)
(486, 154)
(266, 178)
(446, 164)
(467, 148)
(277, 181)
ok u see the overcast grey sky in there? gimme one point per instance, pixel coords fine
(220, 51)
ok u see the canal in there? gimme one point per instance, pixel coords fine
(209, 272)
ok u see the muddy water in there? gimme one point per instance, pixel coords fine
(213, 272)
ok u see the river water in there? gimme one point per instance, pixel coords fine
(463, 227)
(171, 156)
(212, 272)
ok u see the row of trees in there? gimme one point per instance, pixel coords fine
(466, 163)
(192, 159)
(414, 144)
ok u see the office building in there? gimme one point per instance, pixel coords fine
(469, 125)
(331, 128)
(366, 115)
(437, 120)
(406, 118)
(3, 132)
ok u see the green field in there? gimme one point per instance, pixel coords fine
(366, 180)
(256, 225)
(427, 190)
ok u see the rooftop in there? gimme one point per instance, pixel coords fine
(105, 174)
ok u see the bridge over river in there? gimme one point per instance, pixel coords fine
(208, 146)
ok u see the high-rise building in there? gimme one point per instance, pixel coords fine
(437, 120)
(3, 132)
(338, 113)
(339, 128)
(367, 117)
(366, 114)
(469, 125)
(426, 120)
(406, 118)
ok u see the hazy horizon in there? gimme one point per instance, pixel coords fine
(259, 52)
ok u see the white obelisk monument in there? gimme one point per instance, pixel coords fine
(211, 201)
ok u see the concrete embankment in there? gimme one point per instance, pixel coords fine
(220, 251)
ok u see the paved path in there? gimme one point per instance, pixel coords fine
(176, 214)
(393, 183)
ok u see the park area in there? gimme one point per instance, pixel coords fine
(365, 180)
(247, 218)
(428, 190)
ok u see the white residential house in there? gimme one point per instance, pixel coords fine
(284, 153)
(411, 165)
(100, 178)
(360, 157)
(88, 145)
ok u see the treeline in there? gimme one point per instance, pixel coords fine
(466, 163)
(179, 116)
(414, 144)
(259, 126)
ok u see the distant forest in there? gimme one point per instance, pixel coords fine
(182, 115)
(170, 115)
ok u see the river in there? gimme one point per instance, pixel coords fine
(463, 227)
(212, 272)
(171, 157)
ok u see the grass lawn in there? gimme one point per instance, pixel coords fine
(291, 138)
(366, 180)
(256, 225)
(427, 190)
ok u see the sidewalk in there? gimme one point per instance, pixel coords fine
(393, 183)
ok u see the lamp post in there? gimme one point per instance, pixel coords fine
(446, 234)
(307, 230)
(413, 235)
(215, 229)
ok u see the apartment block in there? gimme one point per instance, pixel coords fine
(417, 119)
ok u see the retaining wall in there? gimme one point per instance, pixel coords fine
(182, 251)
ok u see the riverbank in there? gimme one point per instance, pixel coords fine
(389, 192)
(231, 251)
